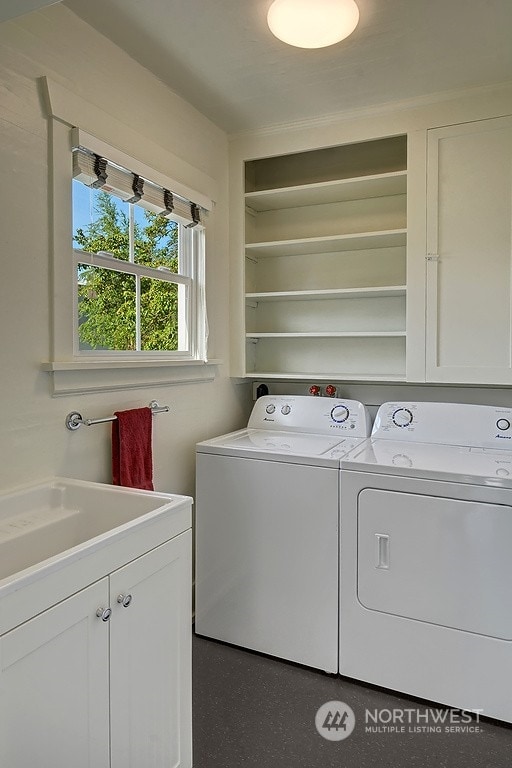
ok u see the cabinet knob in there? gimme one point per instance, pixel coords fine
(124, 600)
(104, 613)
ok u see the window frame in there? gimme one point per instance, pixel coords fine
(72, 373)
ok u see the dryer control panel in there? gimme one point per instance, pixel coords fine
(483, 426)
(318, 415)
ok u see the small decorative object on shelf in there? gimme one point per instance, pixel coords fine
(330, 390)
(315, 390)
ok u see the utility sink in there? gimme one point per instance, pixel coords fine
(65, 532)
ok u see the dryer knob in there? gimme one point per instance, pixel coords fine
(503, 424)
(402, 417)
(285, 410)
(270, 408)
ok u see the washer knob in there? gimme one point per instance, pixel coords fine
(503, 424)
(339, 413)
(402, 417)
(270, 408)
(285, 410)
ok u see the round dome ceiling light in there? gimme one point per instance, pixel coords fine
(312, 23)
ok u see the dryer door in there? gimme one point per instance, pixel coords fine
(434, 559)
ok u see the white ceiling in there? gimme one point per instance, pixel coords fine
(9, 9)
(220, 55)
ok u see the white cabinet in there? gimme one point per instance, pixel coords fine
(150, 659)
(469, 253)
(54, 686)
(325, 248)
(79, 691)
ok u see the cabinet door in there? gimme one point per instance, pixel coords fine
(54, 687)
(469, 261)
(151, 659)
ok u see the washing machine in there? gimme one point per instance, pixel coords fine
(267, 522)
(426, 555)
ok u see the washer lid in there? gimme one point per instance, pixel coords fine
(454, 463)
(295, 447)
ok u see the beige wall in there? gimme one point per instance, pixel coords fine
(34, 442)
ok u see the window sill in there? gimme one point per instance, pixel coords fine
(70, 377)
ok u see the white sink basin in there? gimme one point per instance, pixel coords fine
(86, 528)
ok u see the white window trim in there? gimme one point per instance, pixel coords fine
(72, 373)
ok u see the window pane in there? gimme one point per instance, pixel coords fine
(106, 309)
(156, 240)
(159, 315)
(100, 221)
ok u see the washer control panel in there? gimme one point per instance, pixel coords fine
(319, 415)
(445, 423)
(402, 417)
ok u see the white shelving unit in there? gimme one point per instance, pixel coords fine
(325, 251)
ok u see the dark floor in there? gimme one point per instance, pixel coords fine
(250, 710)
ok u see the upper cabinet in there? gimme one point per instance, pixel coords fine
(469, 253)
(325, 266)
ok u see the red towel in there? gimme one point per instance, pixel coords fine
(132, 454)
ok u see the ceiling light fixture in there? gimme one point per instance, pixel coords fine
(312, 23)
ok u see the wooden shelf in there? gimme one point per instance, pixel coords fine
(342, 190)
(327, 335)
(323, 376)
(328, 244)
(335, 293)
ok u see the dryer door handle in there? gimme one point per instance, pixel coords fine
(382, 550)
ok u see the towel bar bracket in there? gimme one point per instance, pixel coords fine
(74, 420)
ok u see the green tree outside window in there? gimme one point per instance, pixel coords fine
(107, 299)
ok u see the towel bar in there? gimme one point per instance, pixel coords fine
(74, 420)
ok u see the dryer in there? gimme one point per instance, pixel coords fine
(267, 516)
(426, 555)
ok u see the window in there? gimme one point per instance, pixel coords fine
(119, 156)
(138, 265)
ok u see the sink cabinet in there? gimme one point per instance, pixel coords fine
(150, 659)
(54, 686)
(89, 691)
